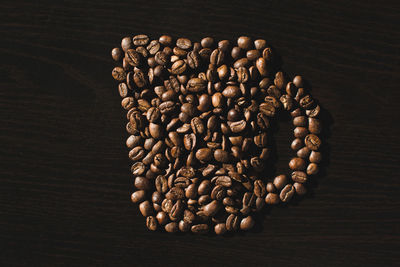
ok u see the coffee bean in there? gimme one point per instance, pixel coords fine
(171, 227)
(307, 102)
(312, 142)
(267, 54)
(133, 141)
(267, 109)
(314, 126)
(178, 67)
(297, 164)
(242, 62)
(312, 169)
(126, 43)
(298, 81)
(303, 152)
(165, 40)
(136, 153)
(138, 168)
(183, 43)
(207, 42)
(146, 208)
(300, 121)
(259, 188)
(300, 189)
(225, 181)
(184, 226)
(287, 193)
(299, 177)
(252, 55)
(193, 59)
(280, 181)
(300, 132)
(132, 57)
(270, 187)
(232, 222)
(244, 42)
(314, 112)
(260, 44)
(140, 39)
(315, 157)
(118, 74)
(138, 196)
(197, 125)
(116, 54)
(262, 67)
(217, 57)
(247, 223)
(151, 223)
(297, 144)
(200, 228)
(196, 85)
(272, 199)
(220, 228)
(221, 155)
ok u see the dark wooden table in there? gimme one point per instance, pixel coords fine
(65, 181)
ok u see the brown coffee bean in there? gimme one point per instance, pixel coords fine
(196, 85)
(126, 43)
(136, 153)
(138, 196)
(300, 132)
(270, 187)
(296, 144)
(280, 181)
(133, 141)
(272, 199)
(253, 54)
(165, 40)
(314, 112)
(231, 91)
(167, 107)
(225, 181)
(221, 155)
(315, 157)
(260, 140)
(204, 187)
(287, 193)
(314, 126)
(146, 208)
(297, 164)
(207, 42)
(197, 125)
(220, 228)
(217, 57)
(299, 177)
(244, 42)
(204, 154)
(300, 121)
(300, 189)
(298, 81)
(200, 228)
(140, 39)
(162, 217)
(171, 227)
(151, 223)
(153, 114)
(304, 152)
(116, 54)
(312, 169)
(262, 67)
(119, 74)
(247, 223)
(161, 184)
(132, 57)
(138, 168)
(178, 67)
(259, 188)
(183, 43)
(267, 109)
(128, 103)
(238, 126)
(193, 59)
(232, 222)
(312, 142)
(307, 102)
(212, 208)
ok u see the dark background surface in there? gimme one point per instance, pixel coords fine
(65, 179)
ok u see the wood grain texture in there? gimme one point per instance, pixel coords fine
(64, 173)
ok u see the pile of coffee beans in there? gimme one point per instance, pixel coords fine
(199, 118)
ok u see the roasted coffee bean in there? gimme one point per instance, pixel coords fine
(132, 57)
(272, 199)
(312, 169)
(300, 189)
(138, 196)
(178, 67)
(136, 153)
(247, 223)
(262, 67)
(167, 107)
(299, 177)
(172, 227)
(300, 132)
(146, 208)
(126, 43)
(183, 43)
(221, 155)
(197, 125)
(165, 40)
(217, 57)
(280, 181)
(225, 181)
(119, 74)
(244, 42)
(287, 193)
(314, 126)
(242, 62)
(232, 222)
(296, 144)
(220, 228)
(267, 109)
(138, 168)
(133, 141)
(270, 187)
(298, 81)
(207, 42)
(312, 142)
(315, 157)
(303, 152)
(200, 228)
(193, 59)
(307, 102)
(196, 85)
(312, 113)
(297, 164)
(300, 121)
(140, 39)
(259, 188)
(151, 223)
(238, 126)
(116, 54)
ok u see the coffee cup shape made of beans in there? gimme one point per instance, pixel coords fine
(198, 116)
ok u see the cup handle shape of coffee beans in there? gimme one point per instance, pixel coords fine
(198, 115)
